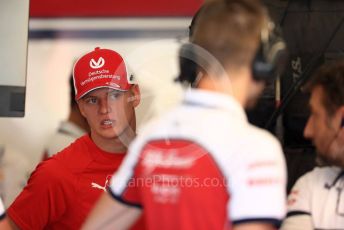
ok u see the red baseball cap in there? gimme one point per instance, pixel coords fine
(101, 68)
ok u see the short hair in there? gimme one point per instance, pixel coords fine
(193, 22)
(72, 92)
(230, 30)
(331, 78)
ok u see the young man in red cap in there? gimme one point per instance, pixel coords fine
(63, 189)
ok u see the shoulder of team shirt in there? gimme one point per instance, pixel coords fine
(74, 157)
(319, 175)
(261, 138)
(210, 126)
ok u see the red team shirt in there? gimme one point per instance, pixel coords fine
(203, 166)
(62, 190)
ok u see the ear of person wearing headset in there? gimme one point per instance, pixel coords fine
(316, 200)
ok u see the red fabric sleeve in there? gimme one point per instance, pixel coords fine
(43, 200)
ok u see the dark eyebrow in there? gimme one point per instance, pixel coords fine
(87, 97)
(115, 91)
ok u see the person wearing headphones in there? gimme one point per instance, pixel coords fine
(202, 165)
(63, 189)
(317, 199)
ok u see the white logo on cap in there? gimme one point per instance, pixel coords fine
(98, 64)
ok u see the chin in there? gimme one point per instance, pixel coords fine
(112, 135)
(251, 103)
(322, 161)
(108, 134)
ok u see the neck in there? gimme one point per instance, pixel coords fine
(111, 145)
(235, 85)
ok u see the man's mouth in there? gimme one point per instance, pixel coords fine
(107, 122)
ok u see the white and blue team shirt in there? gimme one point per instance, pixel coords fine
(317, 201)
(203, 166)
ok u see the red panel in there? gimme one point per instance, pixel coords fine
(113, 8)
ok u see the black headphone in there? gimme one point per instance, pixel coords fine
(268, 63)
(188, 68)
(342, 124)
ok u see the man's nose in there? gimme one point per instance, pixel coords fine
(104, 106)
(308, 131)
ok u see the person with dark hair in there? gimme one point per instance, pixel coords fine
(316, 201)
(68, 131)
(63, 189)
(202, 165)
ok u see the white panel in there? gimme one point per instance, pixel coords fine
(14, 15)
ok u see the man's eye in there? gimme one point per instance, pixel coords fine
(91, 101)
(113, 96)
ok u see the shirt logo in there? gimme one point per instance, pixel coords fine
(97, 64)
(106, 184)
(168, 159)
(95, 185)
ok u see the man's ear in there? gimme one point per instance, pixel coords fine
(81, 108)
(135, 95)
